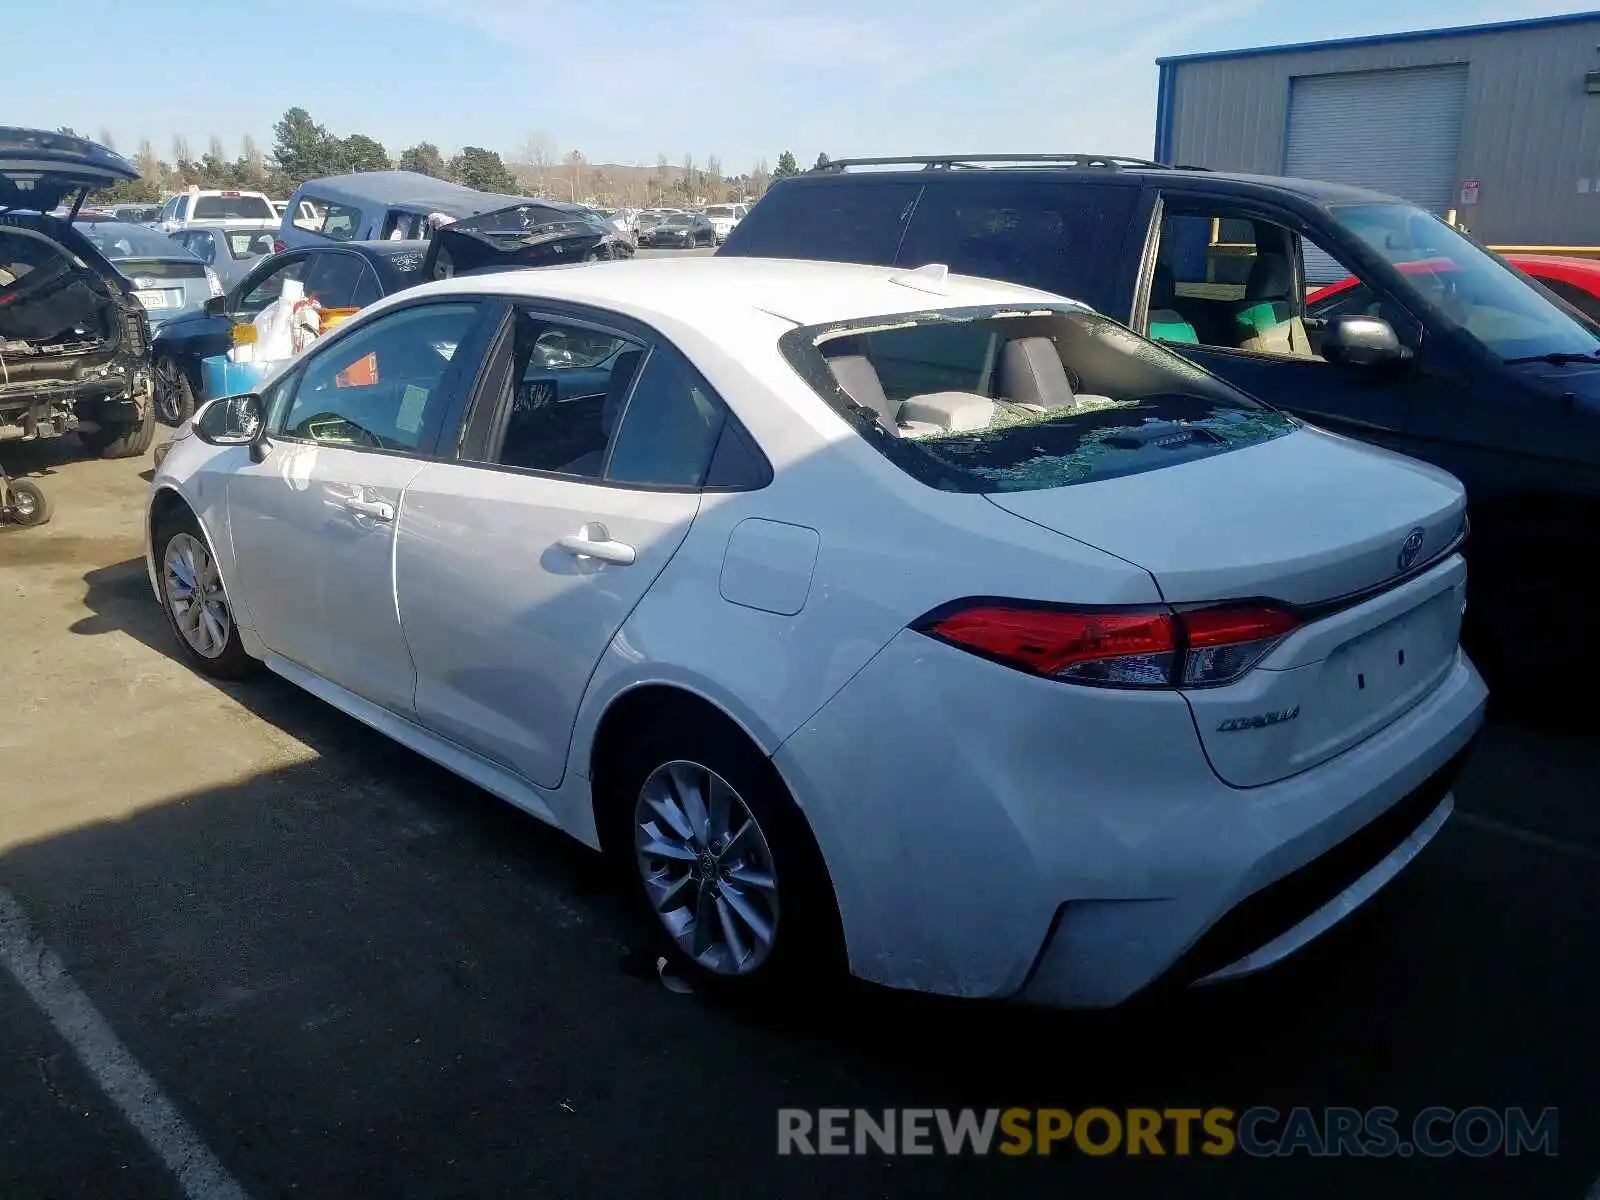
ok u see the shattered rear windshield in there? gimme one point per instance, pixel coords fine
(1006, 400)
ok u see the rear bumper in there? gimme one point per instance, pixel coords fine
(990, 834)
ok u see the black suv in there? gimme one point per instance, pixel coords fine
(74, 338)
(1430, 344)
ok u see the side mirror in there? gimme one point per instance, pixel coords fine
(1361, 341)
(232, 421)
(216, 306)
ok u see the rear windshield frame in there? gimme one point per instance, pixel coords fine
(801, 348)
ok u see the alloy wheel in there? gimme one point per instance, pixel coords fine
(707, 868)
(195, 598)
(169, 392)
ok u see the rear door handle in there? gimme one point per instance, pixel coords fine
(593, 541)
(378, 510)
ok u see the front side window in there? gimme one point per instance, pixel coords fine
(268, 287)
(382, 387)
(335, 277)
(1023, 401)
(1234, 282)
(1465, 286)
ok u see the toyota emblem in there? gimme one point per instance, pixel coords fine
(1410, 548)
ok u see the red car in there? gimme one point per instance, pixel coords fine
(1575, 280)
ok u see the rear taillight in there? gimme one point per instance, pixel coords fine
(1147, 648)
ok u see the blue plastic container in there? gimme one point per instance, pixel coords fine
(219, 377)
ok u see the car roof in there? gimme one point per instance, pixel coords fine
(1315, 190)
(700, 292)
(406, 187)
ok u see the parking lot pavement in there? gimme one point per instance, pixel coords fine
(352, 974)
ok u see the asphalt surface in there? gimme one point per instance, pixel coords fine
(354, 975)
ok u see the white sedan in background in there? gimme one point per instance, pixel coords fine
(932, 626)
(725, 218)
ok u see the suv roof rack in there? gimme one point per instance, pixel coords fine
(947, 162)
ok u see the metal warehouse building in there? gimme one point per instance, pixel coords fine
(1498, 123)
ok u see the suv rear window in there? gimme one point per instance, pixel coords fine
(219, 208)
(999, 400)
(855, 222)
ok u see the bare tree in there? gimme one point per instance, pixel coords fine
(687, 183)
(254, 165)
(146, 161)
(538, 150)
(575, 165)
(106, 139)
(760, 176)
(180, 150)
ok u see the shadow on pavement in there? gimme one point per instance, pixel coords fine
(361, 975)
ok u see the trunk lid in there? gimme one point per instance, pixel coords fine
(39, 170)
(1301, 519)
(1342, 531)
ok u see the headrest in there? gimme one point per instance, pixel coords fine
(1269, 278)
(859, 379)
(1031, 373)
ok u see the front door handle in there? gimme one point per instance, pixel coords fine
(593, 541)
(378, 510)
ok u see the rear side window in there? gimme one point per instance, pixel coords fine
(1024, 401)
(217, 208)
(669, 428)
(1063, 238)
(856, 222)
(340, 222)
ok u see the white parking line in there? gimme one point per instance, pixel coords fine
(1545, 841)
(35, 966)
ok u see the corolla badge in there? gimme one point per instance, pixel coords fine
(1410, 548)
(1259, 720)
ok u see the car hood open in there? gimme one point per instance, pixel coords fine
(40, 170)
(521, 235)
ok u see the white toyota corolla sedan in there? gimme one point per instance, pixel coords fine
(933, 626)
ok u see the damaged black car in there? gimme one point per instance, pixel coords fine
(74, 339)
(524, 235)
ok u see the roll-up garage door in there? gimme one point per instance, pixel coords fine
(1393, 131)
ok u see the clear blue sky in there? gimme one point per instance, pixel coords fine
(624, 80)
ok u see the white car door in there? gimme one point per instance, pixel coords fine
(578, 475)
(313, 523)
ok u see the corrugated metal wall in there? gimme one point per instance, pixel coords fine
(1529, 133)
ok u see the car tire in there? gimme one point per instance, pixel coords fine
(174, 393)
(29, 504)
(122, 439)
(180, 549)
(800, 911)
